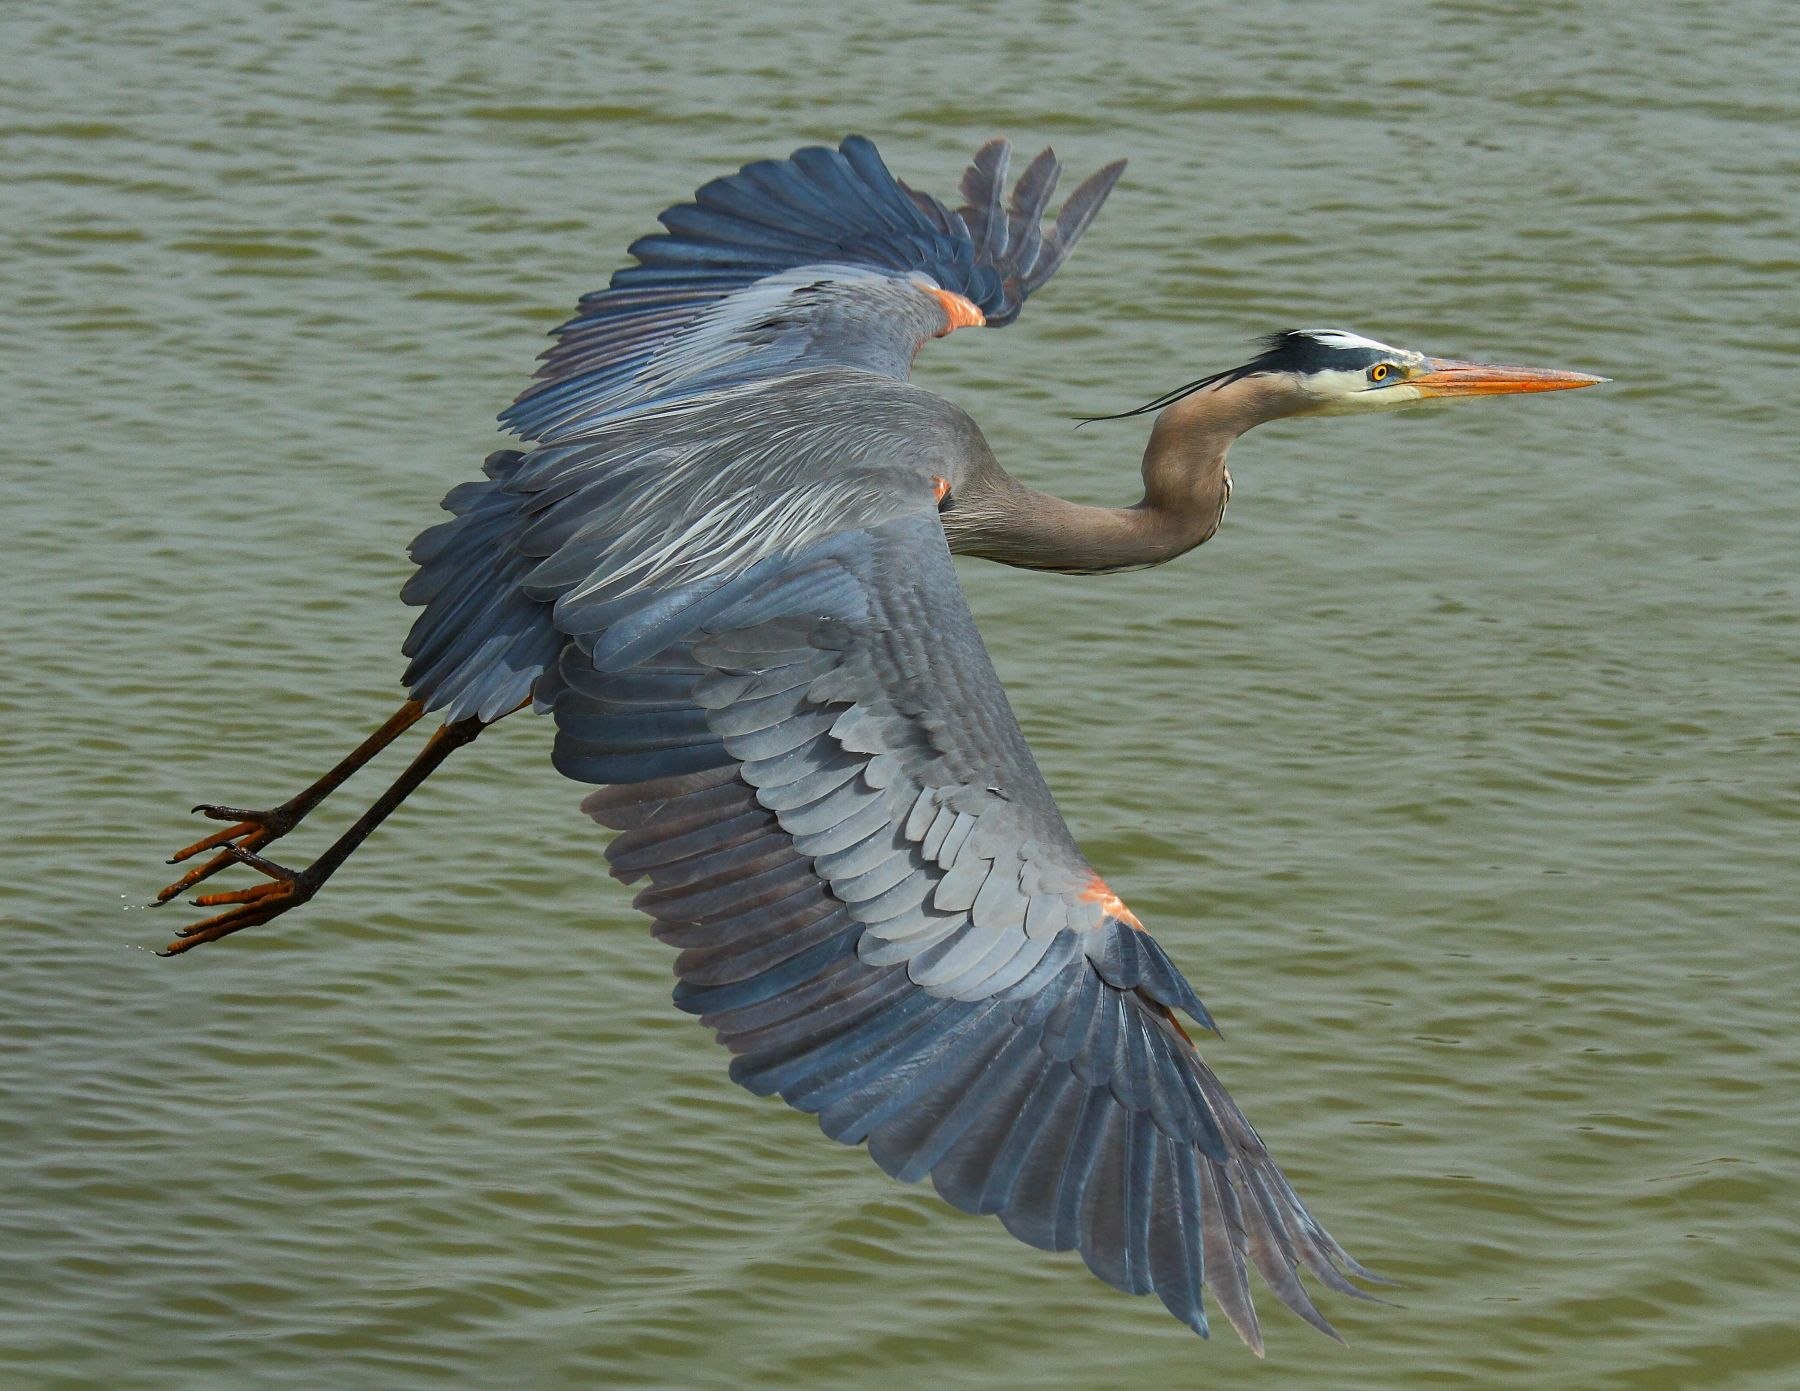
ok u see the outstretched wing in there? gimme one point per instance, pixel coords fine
(728, 262)
(883, 915)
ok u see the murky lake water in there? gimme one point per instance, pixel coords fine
(1460, 771)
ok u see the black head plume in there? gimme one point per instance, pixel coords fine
(1301, 351)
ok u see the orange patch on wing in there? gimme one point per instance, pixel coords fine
(1168, 1017)
(1110, 903)
(940, 486)
(959, 311)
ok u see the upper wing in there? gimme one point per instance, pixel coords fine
(721, 294)
(665, 407)
(883, 914)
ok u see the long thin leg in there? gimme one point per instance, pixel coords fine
(255, 829)
(289, 888)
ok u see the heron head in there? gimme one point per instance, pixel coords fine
(1332, 371)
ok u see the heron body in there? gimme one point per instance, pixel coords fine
(722, 565)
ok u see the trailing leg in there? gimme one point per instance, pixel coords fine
(288, 888)
(255, 829)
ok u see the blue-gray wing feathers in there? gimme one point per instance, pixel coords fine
(721, 570)
(817, 207)
(874, 962)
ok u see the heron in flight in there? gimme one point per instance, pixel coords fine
(723, 567)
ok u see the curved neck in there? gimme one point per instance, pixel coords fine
(1186, 488)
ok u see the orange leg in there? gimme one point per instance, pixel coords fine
(255, 829)
(288, 888)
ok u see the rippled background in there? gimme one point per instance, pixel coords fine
(1459, 770)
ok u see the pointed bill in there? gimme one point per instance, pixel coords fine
(1445, 376)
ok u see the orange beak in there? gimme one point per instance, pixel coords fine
(1447, 377)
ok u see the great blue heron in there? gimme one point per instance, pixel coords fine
(723, 566)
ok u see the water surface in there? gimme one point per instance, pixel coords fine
(1459, 771)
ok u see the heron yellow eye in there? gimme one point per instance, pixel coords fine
(1379, 372)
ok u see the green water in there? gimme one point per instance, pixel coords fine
(1461, 770)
